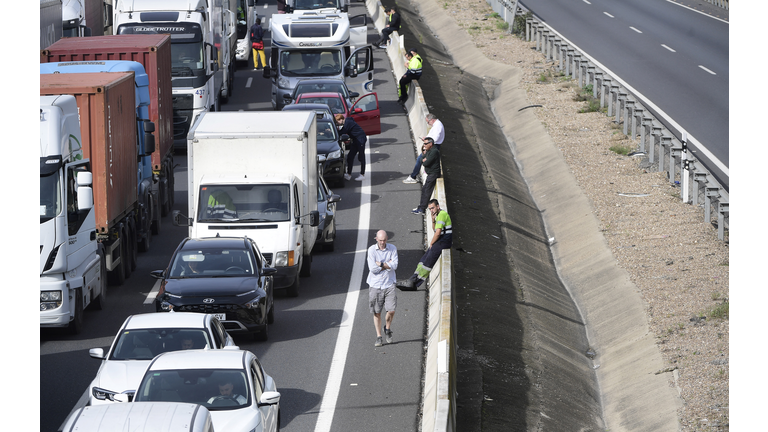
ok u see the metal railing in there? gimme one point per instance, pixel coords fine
(664, 151)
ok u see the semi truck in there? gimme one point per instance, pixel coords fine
(254, 174)
(82, 18)
(50, 22)
(322, 6)
(153, 53)
(72, 261)
(308, 44)
(203, 43)
(106, 104)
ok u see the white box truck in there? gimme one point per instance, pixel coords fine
(254, 174)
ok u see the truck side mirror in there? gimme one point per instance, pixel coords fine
(314, 218)
(149, 144)
(179, 219)
(84, 198)
(251, 3)
(351, 71)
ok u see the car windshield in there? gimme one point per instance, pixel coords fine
(326, 131)
(145, 344)
(246, 203)
(215, 389)
(311, 62)
(205, 263)
(322, 87)
(335, 103)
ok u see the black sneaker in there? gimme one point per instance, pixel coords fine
(378, 342)
(388, 334)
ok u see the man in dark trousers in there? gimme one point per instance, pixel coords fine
(431, 163)
(393, 25)
(442, 239)
(413, 66)
(349, 127)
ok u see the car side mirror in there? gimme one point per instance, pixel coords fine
(354, 95)
(268, 271)
(334, 198)
(269, 398)
(157, 274)
(358, 110)
(97, 353)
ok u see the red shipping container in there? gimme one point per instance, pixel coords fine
(153, 52)
(106, 103)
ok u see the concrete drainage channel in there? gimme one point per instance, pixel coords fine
(621, 351)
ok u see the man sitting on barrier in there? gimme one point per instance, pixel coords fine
(442, 239)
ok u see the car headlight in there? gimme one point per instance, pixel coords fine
(284, 259)
(253, 303)
(334, 155)
(283, 83)
(50, 300)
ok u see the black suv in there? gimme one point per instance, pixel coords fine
(224, 276)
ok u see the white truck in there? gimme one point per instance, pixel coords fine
(254, 174)
(309, 44)
(82, 18)
(203, 42)
(72, 262)
(322, 6)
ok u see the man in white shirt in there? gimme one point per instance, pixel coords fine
(225, 393)
(382, 294)
(437, 133)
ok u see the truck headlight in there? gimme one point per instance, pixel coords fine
(50, 300)
(284, 259)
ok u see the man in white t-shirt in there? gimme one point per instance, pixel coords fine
(437, 133)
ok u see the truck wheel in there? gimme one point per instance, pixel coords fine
(306, 266)
(143, 244)
(293, 290)
(101, 300)
(76, 325)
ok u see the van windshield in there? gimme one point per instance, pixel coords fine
(311, 62)
(244, 203)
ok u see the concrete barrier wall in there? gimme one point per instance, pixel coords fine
(439, 396)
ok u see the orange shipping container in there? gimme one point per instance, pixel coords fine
(153, 52)
(106, 104)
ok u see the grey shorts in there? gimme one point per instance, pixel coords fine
(382, 298)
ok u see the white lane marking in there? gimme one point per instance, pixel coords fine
(668, 48)
(331, 393)
(635, 29)
(587, 2)
(707, 70)
(248, 83)
(608, 14)
(697, 11)
(152, 294)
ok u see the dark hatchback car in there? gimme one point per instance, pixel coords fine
(224, 276)
(330, 152)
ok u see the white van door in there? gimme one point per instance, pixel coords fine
(358, 70)
(358, 31)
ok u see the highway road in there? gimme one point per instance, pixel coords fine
(672, 55)
(320, 349)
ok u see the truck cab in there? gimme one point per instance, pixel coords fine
(202, 51)
(322, 6)
(72, 269)
(309, 44)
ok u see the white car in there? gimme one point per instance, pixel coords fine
(230, 383)
(144, 336)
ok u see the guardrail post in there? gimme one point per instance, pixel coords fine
(545, 42)
(597, 77)
(675, 153)
(629, 108)
(655, 133)
(637, 119)
(709, 193)
(568, 54)
(700, 178)
(558, 48)
(589, 77)
(613, 98)
(666, 141)
(605, 89)
(574, 69)
(620, 98)
(646, 128)
(528, 28)
(722, 209)
(539, 29)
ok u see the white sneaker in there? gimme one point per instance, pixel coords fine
(410, 179)
(359, 178)
(347, 177)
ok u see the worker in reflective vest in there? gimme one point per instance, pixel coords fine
(414, 65)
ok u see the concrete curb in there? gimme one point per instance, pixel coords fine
(634, 397)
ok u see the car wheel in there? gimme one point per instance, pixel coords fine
(293, 290)
(329, 247)
(263, 335)
(76, 325)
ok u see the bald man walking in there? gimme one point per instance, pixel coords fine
(382, 294)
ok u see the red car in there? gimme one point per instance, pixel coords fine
(365, 111)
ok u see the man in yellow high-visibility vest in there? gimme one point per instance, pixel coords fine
(414, 64)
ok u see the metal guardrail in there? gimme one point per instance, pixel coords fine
(664, 151)
(720, 3)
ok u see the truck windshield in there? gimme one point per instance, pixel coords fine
(244, 203)
(186, 44)
(50, 196)
(186, 58)
(316, 4)
(310, 62)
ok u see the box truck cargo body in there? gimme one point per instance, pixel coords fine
(153, 52)
(254, 174)
(106, 103)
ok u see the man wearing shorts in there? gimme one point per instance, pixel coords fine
(382, 295)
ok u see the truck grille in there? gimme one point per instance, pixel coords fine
(182, 116)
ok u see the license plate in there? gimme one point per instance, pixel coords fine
(221, 317)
